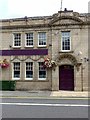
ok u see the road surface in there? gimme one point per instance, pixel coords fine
(44, 108)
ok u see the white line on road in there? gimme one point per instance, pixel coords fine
(37, 104)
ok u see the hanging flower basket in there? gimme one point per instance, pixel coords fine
(48, 63)
(4, 64)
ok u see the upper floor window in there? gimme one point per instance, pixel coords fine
(16, 70)
(29, 70)
(42, 71)
(65, 41)
(17, 40)
(42, 38)
(29, 39)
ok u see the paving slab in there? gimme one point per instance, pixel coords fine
(70, 94)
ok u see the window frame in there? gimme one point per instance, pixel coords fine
(29, 39)
(32, 70)
(39, 39)
(14, 78)
(39, 74)
(14, 40)
(64, 41)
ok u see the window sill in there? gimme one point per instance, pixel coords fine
(41, 79)
(42, 46)
(16, 47)
(66, 51)
(15, 78)
(28, 46)
(29, 79)
(32, 80)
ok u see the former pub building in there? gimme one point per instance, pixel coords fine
(46, 52)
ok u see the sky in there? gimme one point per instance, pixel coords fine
(30, 8)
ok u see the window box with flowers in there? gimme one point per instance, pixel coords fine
(48, 63)
(4, 63)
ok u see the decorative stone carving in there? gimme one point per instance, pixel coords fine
(23, 58)
(69, 57)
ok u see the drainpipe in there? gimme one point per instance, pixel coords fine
(82, 77)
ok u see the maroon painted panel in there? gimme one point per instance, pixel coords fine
(24, 52)
(66, 77)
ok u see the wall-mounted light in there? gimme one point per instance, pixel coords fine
(79, 53)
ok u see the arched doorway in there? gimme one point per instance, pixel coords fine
(66, 77)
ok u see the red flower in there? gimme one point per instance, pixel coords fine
(4, 64)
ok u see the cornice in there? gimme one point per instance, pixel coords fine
(24, 26)
(50, 22)
(42, 25)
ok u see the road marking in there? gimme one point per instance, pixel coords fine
(37, 104)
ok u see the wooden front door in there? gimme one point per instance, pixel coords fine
(66, 77)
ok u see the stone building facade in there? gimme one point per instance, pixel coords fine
(47, 52)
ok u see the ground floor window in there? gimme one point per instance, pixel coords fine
(16, 70)
(29, 70)
(42, 71)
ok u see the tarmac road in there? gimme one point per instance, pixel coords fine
(44, 108)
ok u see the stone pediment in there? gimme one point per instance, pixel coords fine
(66, 20)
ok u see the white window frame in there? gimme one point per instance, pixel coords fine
(28, 39)
(39, 39)
(62, 43)
(38, 73)
(14, 78)
(25, 71)
(14, 40)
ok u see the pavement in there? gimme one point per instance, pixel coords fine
(44, 94)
